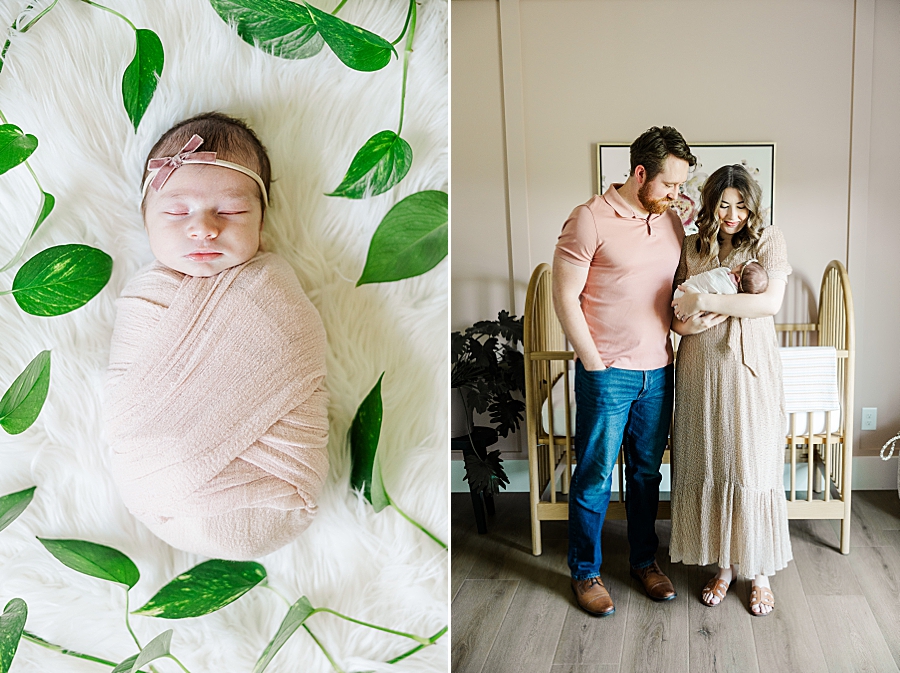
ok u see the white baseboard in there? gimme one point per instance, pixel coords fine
(870, 473)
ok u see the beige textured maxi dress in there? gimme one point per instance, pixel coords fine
(728, 502)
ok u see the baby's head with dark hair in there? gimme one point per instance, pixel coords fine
(753, 278)
(205, 216)
(229, 137)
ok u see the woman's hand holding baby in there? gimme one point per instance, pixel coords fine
(688, 304)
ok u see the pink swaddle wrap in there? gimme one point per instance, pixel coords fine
(216, 412)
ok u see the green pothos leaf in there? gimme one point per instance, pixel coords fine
(365, 472)
(411, 239)
(47, 203)
(205, 588)
(13, 504)
(293, 620)
(356, 47)
(15, 146)
(96, 560)
(280, 27)
(142, 74)
(12, 623)
(155, 649)
(381, 163)
(61, 279)
(126, 665)
(25, 398)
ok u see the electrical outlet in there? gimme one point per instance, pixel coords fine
(869, 418)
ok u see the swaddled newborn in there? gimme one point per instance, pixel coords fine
(216, 411)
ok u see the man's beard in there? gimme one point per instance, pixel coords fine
(654, 207)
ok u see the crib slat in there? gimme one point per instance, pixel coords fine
(793, 441)
(810, 457)
(828, 450)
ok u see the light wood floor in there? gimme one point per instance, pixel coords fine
(514, 612)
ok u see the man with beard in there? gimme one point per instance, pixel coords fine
(612, 282)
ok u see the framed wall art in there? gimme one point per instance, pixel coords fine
(613, 166)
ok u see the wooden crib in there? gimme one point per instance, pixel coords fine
(827, 486)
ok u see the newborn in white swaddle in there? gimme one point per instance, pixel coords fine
(749, 277)
(216, 411)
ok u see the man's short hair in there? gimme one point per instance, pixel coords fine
(654, 145)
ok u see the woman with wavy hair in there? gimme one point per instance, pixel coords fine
(728, 503)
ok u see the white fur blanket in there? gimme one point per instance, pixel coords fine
(62, 83)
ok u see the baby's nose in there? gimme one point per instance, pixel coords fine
(203, 227)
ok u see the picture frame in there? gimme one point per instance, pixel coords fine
(614, 165)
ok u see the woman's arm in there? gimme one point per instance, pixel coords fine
(696, 324)
(734, 305)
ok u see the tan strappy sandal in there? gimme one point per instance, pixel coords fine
(718, 588)
(761, 596)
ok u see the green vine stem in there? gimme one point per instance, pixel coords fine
(338, 8)
(418, 647)
(277, 593)
(175, 659)
(418, 525)
(28, 25)
(37, 640)
(411, 19)
(133, 636)
(111, 11)
(419, 639)
(128, 623)
(328, 656)
(405, 23)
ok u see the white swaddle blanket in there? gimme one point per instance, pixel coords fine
(216, 412)
(715, 281)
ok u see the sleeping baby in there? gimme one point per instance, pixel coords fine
(749, 278)
(216, 409)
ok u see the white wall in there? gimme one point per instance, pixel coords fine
(537, 83)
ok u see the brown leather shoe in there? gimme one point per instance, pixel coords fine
(656, 584)
(593, 597)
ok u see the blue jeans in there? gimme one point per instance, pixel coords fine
(616, 406)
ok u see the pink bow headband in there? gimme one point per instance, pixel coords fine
(162, 167)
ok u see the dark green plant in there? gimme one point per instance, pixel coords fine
(488, 370)
(488, 375)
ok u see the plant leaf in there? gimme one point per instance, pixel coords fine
(203, 589)
(15, 146)
(380, 498)
(292, 621)
(364, 433)
(142, 74)
(61, 279)
(357, 48)
(380, 164)
(13, 504)
(126, 665)
(280, 27)
(156, 648)
(47, 203)
(22, 403)
(12, 623)
(411, 239)
(96, 560)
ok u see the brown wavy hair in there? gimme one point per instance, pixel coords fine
(707, 219)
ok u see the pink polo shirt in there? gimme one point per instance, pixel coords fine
(632, 262)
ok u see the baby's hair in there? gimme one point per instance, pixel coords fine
(230, 138)
(754, 279)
